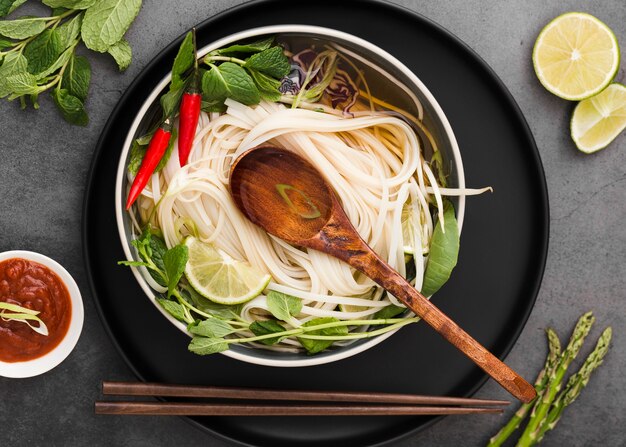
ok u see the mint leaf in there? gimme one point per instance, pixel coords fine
(171, 100)
(444, 252)
(206, 346)
(315, 346)
(223, 311)
(22, 84)
(14, 63)
(267, 327)
(71, 107)
(5, 43)
(137, 152)
(272, 62)
(122, 53)
(211, 327)
(106, 22)
(77, 76)
(69, 31)
(63, 58)
(389, 312)
(173, 308)
(283, 306)
(229, 80)
(183, 61)
(8, 6)
(23, 27)
(252, 47)
(174, 262)
(42, 51)
(268, 87)
(70, 4)
(213, 106)
(133, 263)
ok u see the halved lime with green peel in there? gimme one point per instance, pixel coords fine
(220, 278)
(598, 120)
(576, 56)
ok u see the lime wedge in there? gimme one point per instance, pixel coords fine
(576, 56)
(220, 278)
(598, 120)
(410, 224)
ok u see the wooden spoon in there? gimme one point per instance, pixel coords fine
(286, 196)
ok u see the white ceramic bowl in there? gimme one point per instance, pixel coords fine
(443, 132)
(48, 361)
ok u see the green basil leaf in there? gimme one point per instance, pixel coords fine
(42, 51)
(168, 152)
(22, 84)
(70, 4)
(206, 346)
(268, 87)
(444, 252)
(267, 327)
(23, 27)
(77, 76)
(122, 53)
(283, 306)
(137, 152)
(8, 6)
(272, 62)
(183, 62)
(171, 100)
(229, 80)
(211, 327)
(14, 63)
(69, 31)
(173, 308)
(71, 107)
(389, 312)
(107, 21)
(174, 261)
(252, 47)
(315, 346)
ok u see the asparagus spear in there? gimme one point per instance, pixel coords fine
(576, 383)
(544, 401)
(554, 347)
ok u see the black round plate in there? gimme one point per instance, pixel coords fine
(490, 294)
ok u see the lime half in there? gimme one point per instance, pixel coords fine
(220, 278)
(598, 120)
(576, 56)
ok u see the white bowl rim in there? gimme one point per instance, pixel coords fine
(348, 351)
(46, 362)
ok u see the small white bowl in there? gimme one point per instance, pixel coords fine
(48, 361)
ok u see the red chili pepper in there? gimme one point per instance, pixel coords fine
(156, 149)
(189, 112)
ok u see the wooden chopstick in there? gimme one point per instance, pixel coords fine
(200, 409)
(165, 390)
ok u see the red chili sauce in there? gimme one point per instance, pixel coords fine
(33, 286)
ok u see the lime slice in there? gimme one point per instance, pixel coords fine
(576, 56)
(220, 278)
(410, 224)
(598, 120)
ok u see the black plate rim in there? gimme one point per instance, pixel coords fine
(510, 100)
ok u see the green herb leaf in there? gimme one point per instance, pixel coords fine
(389, 312)
(122, 53)
(213, 106)
(69, 31)
(23, 27)
(267, 327)
(173, 308)
(171, 100)
(206, 346)
(77, 76)
(62, 60)
(14, 63)
(168, 152)
(272, 62)
(106, 22)
(8, 6)
(183, 62)
(42, 51)
(71, 107)
(315, 346)
(70, 4)
(223, 311)
(174, 261)
(211, 327)
(444, 252)
(5, 43)
(137, 152)
(229, 80)
(283, 306)
(133, 263)
(252, 47)
(268, 87)
(22, 84)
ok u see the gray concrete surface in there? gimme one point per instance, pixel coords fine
(43, 168)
